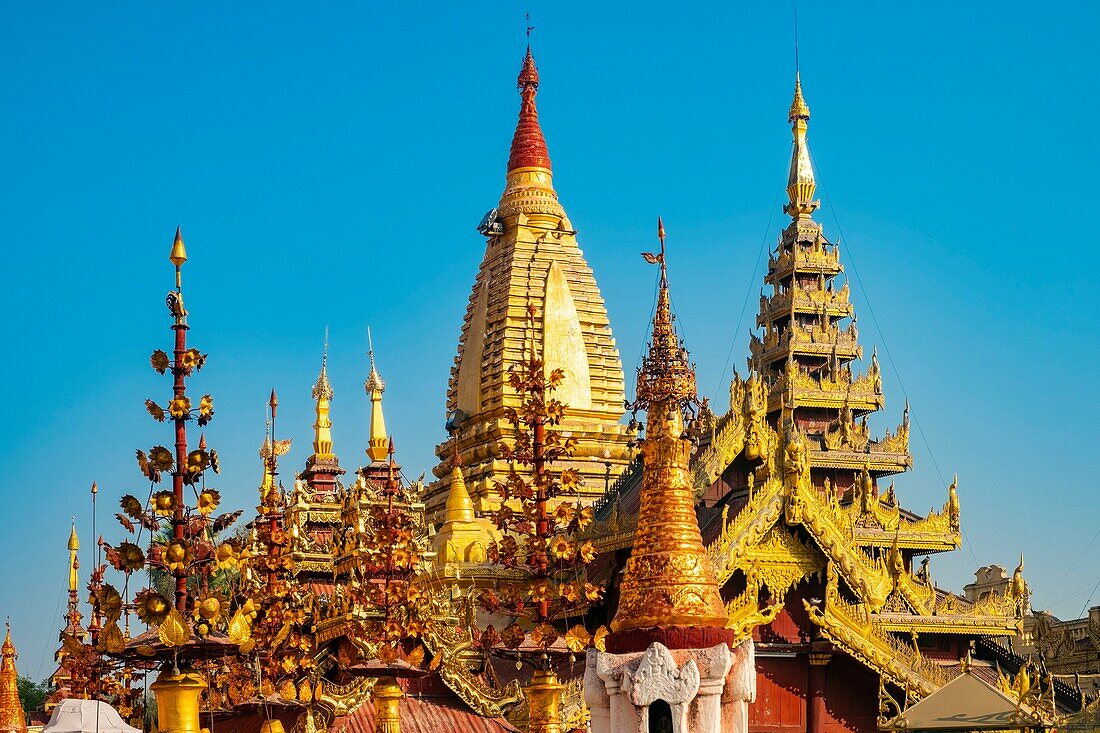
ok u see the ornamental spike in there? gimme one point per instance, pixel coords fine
(179, 251)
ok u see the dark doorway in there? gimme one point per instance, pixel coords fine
(660, 717)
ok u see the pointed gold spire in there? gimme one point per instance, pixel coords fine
(668, 580)
(74, 546)
(800, 181)
(375, 386)
(179, 252)
(322, 394)
(13, 719)
(177, 257)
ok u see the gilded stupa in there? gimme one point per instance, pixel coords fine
(531, 259)
(13, 719)
(668, 580)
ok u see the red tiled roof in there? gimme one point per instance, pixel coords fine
(425, 715)
(418, 715)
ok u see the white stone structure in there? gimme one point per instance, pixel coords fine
(671, 691)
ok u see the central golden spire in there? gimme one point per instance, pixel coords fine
(800, 181)
(668, 579)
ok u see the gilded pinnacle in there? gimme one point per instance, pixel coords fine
(800, 181)
(322, 389)
(799, 108)
(179, 252)
(374, 387)
(322, 426)
(74, 541)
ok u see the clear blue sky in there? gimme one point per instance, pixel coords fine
(329, 165)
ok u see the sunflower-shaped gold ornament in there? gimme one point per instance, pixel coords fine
(177, 556)
(208, 501)
(151, 607)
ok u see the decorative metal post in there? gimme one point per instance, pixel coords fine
(543, 700)
(387, 696)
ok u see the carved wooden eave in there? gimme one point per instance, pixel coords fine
(911, 538)
(322, 514)
(612, 541)
(852, 628)
(312, 562)
(860, 402)
(748, 528)
(480, 573)
(880, 463)
(822, 260)
(833, 302)
(984, 625)
(448, 642)
(831, 342)
(724, 446)
(346, 699)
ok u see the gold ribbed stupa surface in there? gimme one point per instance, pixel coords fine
(532, 259)
(13, 719)
(669, 579)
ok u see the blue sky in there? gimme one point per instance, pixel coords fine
(329, 166)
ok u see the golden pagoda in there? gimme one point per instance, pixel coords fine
(13, 719)
(800, 533)
(668, 580)
(531, 258)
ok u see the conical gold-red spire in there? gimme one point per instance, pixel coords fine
(13, 719)
(528, 144)
(529, 187)
(669, 580)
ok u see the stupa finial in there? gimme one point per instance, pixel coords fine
(375, 386)
(800, 181)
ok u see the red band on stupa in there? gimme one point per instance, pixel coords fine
(528, 144)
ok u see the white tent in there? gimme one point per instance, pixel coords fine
(86, 716)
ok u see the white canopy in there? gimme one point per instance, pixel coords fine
(86, 716)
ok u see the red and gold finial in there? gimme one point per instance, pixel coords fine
(528, 144)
